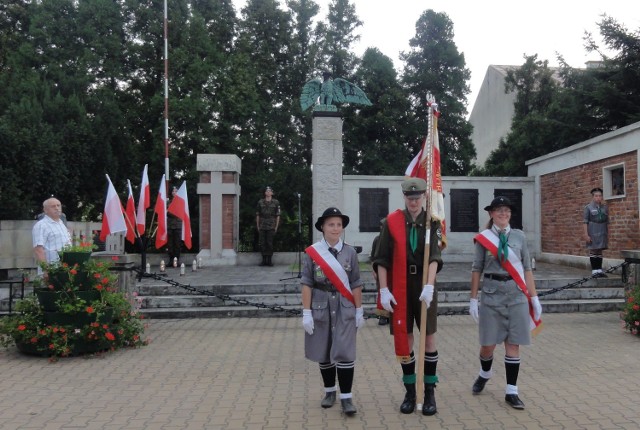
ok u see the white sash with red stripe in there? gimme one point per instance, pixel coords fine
(512, 265)
(319, 253)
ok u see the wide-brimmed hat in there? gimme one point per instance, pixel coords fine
(500, 201)
(331, 212)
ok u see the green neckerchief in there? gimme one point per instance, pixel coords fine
(413, 237)
(503, 245)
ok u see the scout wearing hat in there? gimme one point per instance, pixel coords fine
(332, 308)
(399, 257)
(596, 231)
(510, 305)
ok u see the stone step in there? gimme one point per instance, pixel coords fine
(556, 306)
(368, 297)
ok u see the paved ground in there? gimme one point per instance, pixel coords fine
(580, 373)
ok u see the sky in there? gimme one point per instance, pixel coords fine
(496, 32)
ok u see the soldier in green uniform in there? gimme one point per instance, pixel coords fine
(267, 221)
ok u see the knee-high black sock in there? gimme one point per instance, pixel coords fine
(486, 363)
(328, 372)
(430, 366)
(346, 370)
(409, 371)
(512, 367)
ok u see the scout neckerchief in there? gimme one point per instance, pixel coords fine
(511, 264)
(398, 283)
(333, 270)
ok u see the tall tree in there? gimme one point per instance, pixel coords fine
(378, 129)
(434, 65)
(339, 35)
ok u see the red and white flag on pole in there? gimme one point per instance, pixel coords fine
(180, 207)
(418, 169)
(161, 213)
(130, 216)
(143, 202)
(112, 218)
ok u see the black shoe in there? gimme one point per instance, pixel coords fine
(383, 321)
(514, 401)
(409, 403)
(478, 386)
(329, 399)
(347, 407)
(429, 407)
(602, 275)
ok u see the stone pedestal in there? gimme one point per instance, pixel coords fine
(326, 162)
(219, 193)
(631, 272)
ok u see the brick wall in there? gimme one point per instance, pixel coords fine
(564, 195)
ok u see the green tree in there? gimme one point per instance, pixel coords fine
(434, 65)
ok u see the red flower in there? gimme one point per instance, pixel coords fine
(636, 307)
(105, 280)
(99, 287)
(51, 346)
(95, 324)
(637, 323)
(110, 336)
(34, 340)
(51, 287)
(73, 272)
(22, 327)
(97, 275)
(630, 300)
(90, 310)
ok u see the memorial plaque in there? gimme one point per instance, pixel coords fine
(515, 195)
(464, 210)
(374, 205)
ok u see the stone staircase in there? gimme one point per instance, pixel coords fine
(216, 298)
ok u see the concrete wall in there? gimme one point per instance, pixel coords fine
(492, 113)
(460, 245)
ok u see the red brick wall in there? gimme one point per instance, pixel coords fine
(228, 201)
(564, 195)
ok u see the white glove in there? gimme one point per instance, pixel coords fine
(307, 321)
(537, 308)
(386, 298)
(427, 294)
(359, 317)
(473, 309)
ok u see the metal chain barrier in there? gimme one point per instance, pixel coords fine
(297, 312)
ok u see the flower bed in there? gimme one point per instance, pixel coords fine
(71, 314)
(631, 314)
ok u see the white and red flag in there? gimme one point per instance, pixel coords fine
(161, 213)
(143, 202)
(112, 218)
(180, 207)
(130, 216)
(418, 169)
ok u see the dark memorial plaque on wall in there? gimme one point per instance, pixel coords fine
(464, 210)
(515, 195)
(374, 205)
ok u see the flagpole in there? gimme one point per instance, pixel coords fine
(428, 147)
(166, 97)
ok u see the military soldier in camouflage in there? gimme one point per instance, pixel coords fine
(267, 221)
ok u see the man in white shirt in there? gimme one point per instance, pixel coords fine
(50, 234)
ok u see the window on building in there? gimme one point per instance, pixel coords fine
(613, 181)
(374, 205)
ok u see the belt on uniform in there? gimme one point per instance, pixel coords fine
(414, 269)
(501, 278)
(328, 289)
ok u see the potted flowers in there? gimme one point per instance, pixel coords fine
(631, 313)
(78, 252)
(75, 316)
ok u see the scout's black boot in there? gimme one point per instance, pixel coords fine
(409, 403)
(429, 406)
(264, 261)
(269, 263)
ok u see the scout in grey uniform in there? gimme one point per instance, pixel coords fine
(267, 221)
(596, 231)
(504, 314)
(330, 317)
